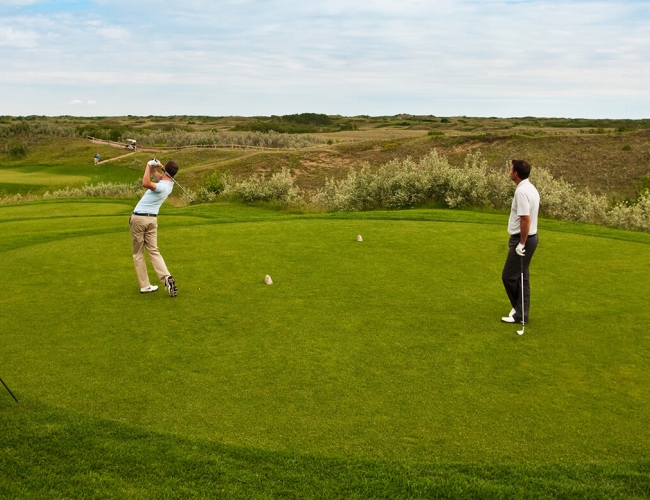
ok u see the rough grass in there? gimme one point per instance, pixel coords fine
(613, 162)
(374, 369)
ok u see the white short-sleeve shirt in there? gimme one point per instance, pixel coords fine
(525, 202)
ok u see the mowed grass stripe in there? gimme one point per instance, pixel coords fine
(387, 348)
(50, 453)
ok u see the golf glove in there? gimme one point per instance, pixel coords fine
(521, 250)
(152, 163)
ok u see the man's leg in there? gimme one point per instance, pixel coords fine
(137, 239)
(531, 246)
(151, 244)
(511, 274)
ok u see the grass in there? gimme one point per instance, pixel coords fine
(368, 370)
(58, 162)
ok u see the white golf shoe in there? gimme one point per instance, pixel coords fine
(148, 289)
(508, 319)
(512, 313)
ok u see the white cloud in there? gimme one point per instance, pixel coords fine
(447, 49)
(20, 39)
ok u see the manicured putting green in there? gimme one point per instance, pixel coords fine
(389, 349)
(40, 178)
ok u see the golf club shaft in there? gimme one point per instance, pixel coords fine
(8, 390)
(188, 194)
(523, 303)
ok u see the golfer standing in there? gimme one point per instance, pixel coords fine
(522, 227)
(144, 226)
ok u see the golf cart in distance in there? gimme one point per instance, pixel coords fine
(130, 144)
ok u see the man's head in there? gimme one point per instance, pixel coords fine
(521, 168)
(171, 168)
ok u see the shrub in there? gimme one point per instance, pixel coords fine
(257, 187)
(214, 183)
(405, 183)
(179, 138)
(634, 216)
(16, 150)
(101, 190)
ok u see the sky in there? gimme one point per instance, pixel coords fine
(504, 58)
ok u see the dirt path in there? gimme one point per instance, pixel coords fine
(116, 158)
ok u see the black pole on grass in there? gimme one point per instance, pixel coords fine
(8, 390)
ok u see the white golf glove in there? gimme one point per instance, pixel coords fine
(153, 163)
(521, 250)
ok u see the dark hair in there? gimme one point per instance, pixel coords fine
(522, 168)
(171, 168)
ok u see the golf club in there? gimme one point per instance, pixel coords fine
(188, 194)
(9, 391)
(521, 332)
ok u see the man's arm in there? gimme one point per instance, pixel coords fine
(524, 228)
(146, 179)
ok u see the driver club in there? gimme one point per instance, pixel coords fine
(521, 332)
(8, 390)
(188, 194)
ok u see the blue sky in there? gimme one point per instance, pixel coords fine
(563, 58)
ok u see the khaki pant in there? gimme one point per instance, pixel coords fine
(144, 234)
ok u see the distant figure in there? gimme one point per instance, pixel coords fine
(96, 158)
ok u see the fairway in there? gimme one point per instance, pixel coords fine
(40, 178)
(389, 351)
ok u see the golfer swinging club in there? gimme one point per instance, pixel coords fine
(144, 226)
(522, 227)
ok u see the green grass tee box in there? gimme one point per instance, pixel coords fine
(386, 350)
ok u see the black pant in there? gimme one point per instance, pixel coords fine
(511, 275)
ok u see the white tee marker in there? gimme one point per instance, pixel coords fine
(268, 280)
(359, 238)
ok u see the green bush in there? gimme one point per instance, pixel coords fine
(16, 150)
(436, 132)
(405, 183)
(257, 187)
(100, 190)
(214, 183)
(271, 139)
(283, 128)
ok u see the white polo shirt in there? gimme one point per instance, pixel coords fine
(525, 202)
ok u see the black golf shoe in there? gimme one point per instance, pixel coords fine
(171, 287)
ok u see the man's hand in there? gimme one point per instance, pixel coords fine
(153, 163)
(521, 249)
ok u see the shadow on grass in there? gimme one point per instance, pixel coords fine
(47, 453)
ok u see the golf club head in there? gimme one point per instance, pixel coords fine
(520, 332)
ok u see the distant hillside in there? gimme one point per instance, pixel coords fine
(608, 156)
